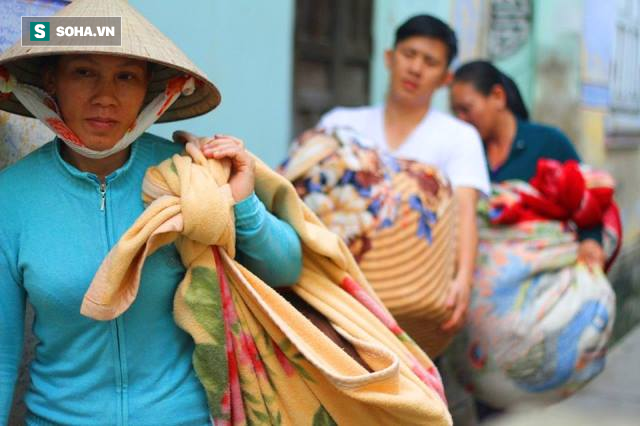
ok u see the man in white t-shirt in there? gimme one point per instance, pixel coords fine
(407, 127)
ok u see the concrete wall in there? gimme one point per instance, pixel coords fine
(246, 48)
(557, 42)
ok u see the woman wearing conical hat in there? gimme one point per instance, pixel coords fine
(64, 206)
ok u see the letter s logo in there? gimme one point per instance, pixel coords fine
(39, 31)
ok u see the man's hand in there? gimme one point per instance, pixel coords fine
(458, 300)
(242, 179)
(460, 289)
(591, 253)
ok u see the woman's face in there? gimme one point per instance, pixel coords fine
(472, 106)
(99, 96)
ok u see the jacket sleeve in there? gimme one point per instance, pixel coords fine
(266, 245)
(12, 311)
(594, 233)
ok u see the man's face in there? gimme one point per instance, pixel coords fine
(418, 67)
(99, 96)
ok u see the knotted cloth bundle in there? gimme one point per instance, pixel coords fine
(258, 358)
(539, 321)
(397, 217)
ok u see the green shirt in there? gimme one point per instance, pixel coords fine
(533, 142)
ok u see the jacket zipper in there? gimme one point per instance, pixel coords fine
(103, 200)
(116, 322)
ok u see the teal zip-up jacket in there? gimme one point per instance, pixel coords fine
(56, 226)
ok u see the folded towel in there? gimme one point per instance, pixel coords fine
(258, 358)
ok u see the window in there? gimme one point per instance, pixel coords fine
(625, 78)
(332, 57)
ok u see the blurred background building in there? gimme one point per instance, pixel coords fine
(281, 64)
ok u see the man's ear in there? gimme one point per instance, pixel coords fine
(388, 58)
(448, 78)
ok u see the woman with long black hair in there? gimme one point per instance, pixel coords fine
(488, 99)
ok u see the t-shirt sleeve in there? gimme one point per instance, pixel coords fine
(331, 119)
(467, 165)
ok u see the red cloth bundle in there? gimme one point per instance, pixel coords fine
(566, 192)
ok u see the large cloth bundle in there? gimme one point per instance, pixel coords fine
(397, 217)
(259, 359)
(539, 321)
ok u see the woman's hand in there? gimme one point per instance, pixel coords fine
(242, 179)
(591, 253)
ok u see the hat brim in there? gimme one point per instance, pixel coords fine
(140, 40)
(205, 98)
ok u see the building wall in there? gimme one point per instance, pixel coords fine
(21, 135)
(246, 48)
(557, 41)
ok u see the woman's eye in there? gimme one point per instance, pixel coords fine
(126, 76)
(83, 72)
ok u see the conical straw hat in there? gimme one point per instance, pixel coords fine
(140, 40)
(410, 272)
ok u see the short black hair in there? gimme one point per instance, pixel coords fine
(431, 27)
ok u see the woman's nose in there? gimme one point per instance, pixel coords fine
(105, 94)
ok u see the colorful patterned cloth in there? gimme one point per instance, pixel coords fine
(538, 322)
(397, 217)
(260, 360)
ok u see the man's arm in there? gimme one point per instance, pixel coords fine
(467, 238)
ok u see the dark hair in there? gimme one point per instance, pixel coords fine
(49, 61)
(484, 76)
(431, 27)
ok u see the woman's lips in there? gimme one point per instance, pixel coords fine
(101, 123)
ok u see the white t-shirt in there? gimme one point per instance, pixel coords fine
(439, 140)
